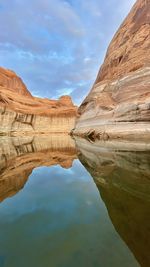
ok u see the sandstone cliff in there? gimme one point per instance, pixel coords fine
(118, 105)
(21, 112)
(10, 81)
(20, 155)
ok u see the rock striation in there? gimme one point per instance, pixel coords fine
(20, 112)
(20, 155)
(118, 105)
(10, 81)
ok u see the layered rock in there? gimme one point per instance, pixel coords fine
(20, 112)
(10, 81)
(118, 105)
(20, 155)
(123, 180)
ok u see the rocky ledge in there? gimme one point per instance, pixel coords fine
(20, 112)
(118, 105)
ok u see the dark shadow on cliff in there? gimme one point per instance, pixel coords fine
(123, 180)
(20, 155)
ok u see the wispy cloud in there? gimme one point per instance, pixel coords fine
(50, 42)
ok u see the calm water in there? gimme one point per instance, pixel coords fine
(60, 211)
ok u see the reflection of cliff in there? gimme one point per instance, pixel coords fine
(123, 180)
(19, 156)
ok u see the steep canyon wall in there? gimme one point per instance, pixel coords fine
(118, 105)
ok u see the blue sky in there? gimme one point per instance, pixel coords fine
(57, 46)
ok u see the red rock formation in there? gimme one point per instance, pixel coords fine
(10, 81)
(21, 112)
(130, 47)
(119, 102)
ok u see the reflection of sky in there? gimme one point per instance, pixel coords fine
(57, 46)
(59, 219)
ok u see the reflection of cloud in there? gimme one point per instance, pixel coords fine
(51, 42)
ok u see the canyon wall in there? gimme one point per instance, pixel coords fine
(14, 123)
(10, 81)
(20, 112)
(118, 106)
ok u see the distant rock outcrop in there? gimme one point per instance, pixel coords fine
(119, 103)
(21, 112)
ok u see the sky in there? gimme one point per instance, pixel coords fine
(57, 46)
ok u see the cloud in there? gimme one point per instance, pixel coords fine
(49, 42)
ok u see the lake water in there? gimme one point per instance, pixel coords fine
(73, 204)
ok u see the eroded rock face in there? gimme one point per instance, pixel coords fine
(119, 102)
(10, 81)
(20, 155)
(20, 112)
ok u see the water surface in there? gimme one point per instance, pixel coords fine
(66, 206)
